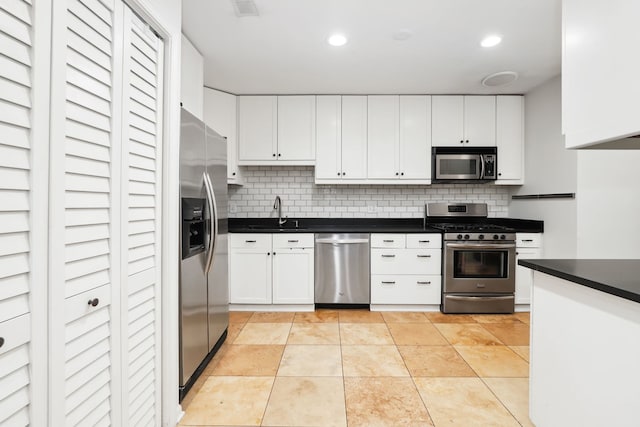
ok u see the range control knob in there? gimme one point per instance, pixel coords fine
(495, 237)
(459, 236)
(466, 237)
(481, 237)
(502, 237)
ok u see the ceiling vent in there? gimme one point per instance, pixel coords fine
(244, 8)
(500, 79)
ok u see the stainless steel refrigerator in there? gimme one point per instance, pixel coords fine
(204, 289)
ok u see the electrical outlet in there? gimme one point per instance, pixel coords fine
(371, 208)
(233, 208)
(334, 190)
(326, 190)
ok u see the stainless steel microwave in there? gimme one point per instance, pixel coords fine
(464, 164)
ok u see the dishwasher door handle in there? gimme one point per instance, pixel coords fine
(341, 241)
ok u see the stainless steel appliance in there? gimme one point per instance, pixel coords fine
(478, 259)
(464, 164)
(342, 268)
(204, 289)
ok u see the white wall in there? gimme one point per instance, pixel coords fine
(549, 168)
(302, 198)
(608, 204)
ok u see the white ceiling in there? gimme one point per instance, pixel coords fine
(284, 50)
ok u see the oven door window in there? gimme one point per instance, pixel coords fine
(490, 264)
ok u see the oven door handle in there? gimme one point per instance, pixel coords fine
(482, 298)
(481, 245)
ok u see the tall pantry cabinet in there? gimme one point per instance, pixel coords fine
(85, 224)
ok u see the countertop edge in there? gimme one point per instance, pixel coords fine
(608, 289)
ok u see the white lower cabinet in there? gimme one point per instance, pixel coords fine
(271, 268)
(528, 246)
(406, 269)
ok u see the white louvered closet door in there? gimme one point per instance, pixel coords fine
(141, 131)
(23, 116)
(85, 214)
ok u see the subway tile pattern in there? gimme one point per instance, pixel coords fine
(302, 198)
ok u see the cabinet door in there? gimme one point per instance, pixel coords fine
(293, 276)
(192, 79)
(250, 276)
(220, 115)
(415, 137)
(297, 127)
(257, 128)
(85, 212)
(328, 137)
(480, 120)
(510, 139)
(354, 137)
(447, 123)
(142, 110)
(383, 136)
(24, 144)
(524, 276)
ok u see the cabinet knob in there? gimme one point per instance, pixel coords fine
(234, 174)
(274, 253)
(1, 341)
(467, 141)
(274, 154)
(499, 173)
(268, 253)
(461, 141)
(402, 173)
(93, 302)
(338, 173)
(279, 154)
(397, 174)
(344, 173)
(517, 253)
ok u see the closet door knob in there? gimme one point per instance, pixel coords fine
(93, 302)
(1, 341)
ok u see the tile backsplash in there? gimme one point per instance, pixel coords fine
(303, 199)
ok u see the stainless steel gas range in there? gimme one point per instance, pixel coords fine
(478, 259)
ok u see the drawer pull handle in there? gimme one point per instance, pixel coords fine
(93, 302)
(249, 241)
(423, 283)
(424, 256)
(527, 240)
(388, 283)
(424, 241)
(1, 341)
(388, 256)
(388, 241)
(292, 241)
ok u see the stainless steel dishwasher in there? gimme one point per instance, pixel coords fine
(342, 268)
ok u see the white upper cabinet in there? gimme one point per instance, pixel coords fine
(464, 120)
(220, 114)
(600, 69)
(399, 138)
(257, 128)
(510, 139)
(341, 138)
(297, 128)
(192, 79)
(276, 130)
(415, 137)
(383, 136)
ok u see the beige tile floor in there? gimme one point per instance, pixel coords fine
(358, 368)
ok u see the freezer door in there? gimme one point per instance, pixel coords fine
(218, 276)
(193, 285)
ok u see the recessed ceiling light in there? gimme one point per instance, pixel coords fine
(500, 79)
(402, 35)
(337, 40)
(491, 41)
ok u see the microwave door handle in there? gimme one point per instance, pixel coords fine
(481, 166)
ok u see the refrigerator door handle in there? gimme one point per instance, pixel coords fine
(213, 217)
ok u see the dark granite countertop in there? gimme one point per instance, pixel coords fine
(360, 225)
(619, 277)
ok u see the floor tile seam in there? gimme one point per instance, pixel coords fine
(465, 360)
(522, 357)
(344, 383)
(504, 405)
(422, 399)
(489, 332)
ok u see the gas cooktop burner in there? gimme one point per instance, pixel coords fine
(471, 227)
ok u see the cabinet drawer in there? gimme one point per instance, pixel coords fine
(528, 240)
(405, 261)
(422, 241)
(388, 240)
(250, 241)
(293, 240)
(408, 289)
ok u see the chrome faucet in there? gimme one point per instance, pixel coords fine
(278, 205)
